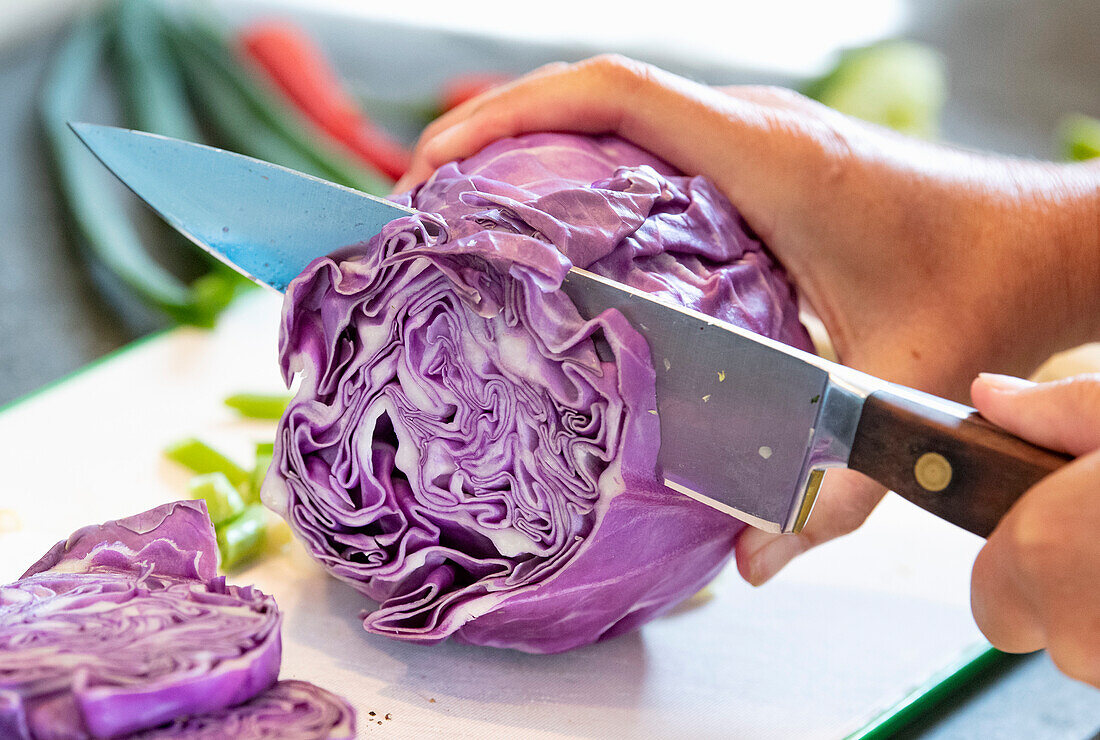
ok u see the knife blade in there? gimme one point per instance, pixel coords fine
(748, 424)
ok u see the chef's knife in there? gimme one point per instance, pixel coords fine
(748, 424)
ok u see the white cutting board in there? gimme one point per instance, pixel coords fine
(840, 634)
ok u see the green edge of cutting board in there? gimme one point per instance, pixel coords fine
(979, 661)
(83, 369)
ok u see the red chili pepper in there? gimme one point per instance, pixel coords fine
(458, 90)
(298, 68)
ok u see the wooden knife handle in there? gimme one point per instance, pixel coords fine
(962, 469)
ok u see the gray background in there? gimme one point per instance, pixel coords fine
(1015, 68)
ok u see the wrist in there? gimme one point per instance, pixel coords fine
(1062, 214)
(1084, 242)
(1044, 250)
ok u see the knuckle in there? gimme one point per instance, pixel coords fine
(618, 68)
(1033, 544)
(551, 68)
(1068, 410)
(1083, 392)
(981, 579)
(836, 146)
(786, 95)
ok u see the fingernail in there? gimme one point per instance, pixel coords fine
(1006, 383)
(771, 558)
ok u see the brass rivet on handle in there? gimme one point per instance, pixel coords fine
(933, 472)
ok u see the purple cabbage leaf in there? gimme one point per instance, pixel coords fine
(125, 626)
(289, 710)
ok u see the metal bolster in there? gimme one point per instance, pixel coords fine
(830, 443)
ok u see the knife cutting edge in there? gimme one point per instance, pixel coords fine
(797, 413)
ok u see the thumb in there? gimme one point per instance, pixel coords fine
(1061, 415)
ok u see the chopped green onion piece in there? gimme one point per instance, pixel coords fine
(259, 405)
(242, 537)
(201, 458)
(223, 501)
(1080, 137)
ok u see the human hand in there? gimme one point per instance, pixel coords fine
(1034, 583)
(926, 264)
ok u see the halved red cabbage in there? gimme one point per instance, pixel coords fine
(458, 451)
(125, 626)
(289, 710)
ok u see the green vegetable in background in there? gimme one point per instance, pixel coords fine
(1079, 136)
(250, 119)
(154, 98)
(899, 84)
(98, 218)
(193, 85)
(150, 83)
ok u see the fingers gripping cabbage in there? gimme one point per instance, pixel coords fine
(466, 450)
